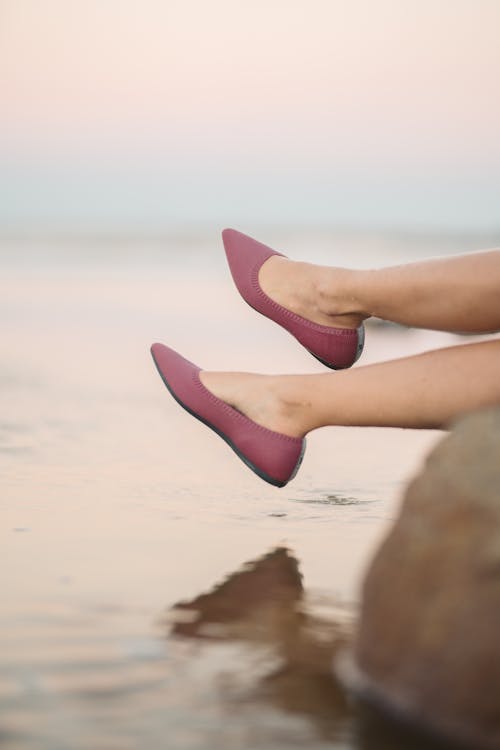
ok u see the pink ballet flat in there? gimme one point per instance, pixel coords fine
(272, 456)
(336, 348)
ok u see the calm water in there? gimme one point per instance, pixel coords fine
(115, 504)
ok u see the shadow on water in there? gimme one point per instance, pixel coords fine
(266, 606)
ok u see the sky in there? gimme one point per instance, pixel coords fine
(122, 115)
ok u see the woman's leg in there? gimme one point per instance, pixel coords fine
(459, 293)
(427, 391)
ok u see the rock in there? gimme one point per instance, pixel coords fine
(428, 642)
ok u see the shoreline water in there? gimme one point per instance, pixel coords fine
(105, 522)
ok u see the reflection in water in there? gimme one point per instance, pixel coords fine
(265, 604)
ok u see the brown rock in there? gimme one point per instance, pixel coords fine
(428, 643)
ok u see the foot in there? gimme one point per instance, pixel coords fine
(313, 292)
(266, 399)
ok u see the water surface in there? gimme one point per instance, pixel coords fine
(115, 504)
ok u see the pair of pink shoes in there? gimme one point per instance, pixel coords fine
(272, 456)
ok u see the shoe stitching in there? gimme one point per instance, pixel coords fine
(317, 327)
(234, 413)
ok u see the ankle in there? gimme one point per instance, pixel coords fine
(337, 292)
(292, 412)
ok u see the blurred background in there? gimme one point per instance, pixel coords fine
(356, 132)
(125, 117)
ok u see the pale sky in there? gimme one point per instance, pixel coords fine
(122, 114)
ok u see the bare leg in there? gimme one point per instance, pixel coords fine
(426, 391)
(459, 294)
